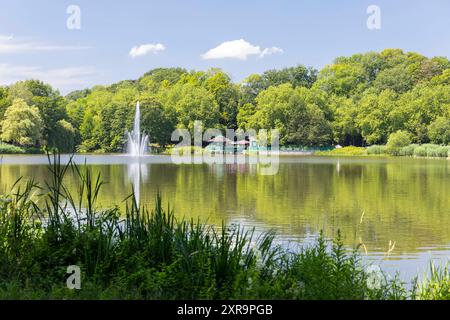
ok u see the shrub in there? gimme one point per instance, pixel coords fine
(408, 150)
(377, 150)
(10, 149)
(186, 150)
(439, 130)
(34, 150)
(396, 141)
(436, 286)
(326, 271)
(420, 151)
(432, 151)
(437, 152)
(346, 151)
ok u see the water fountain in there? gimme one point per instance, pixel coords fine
(137, 146)
(137, 142)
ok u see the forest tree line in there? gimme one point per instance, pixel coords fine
(358, 100)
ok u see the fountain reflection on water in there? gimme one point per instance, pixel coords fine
(137, 173)
(137, 146)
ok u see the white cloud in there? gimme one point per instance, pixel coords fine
(144, 49)
(269, 51)
(59, 77)
(3, 37)
(238, 49)
(8, 44)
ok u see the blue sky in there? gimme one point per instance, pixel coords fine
(35, 41)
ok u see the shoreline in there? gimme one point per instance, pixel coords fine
(252, 154)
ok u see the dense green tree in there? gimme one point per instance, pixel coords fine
(428, 69)
(22, 124)
(371, 62)
(172, 75)
(90, 125)
(439, 130)
(442, 79)
(308, 126)
(192, 102)
(250, 88)
(272, 109)
(295, 112)
(65, 136)
(50, 103)
(75, 111)
(397, 79)
(373, 116)
(299, 76)
(156, 120)
(226, 94)
(341, 79)
(421, 106)
(5, 101)
(398, 140)
(120, 117)
(121, 121)
(346, 129)
(78, 94)
(244, 115)
(393, 57)
(95, 132)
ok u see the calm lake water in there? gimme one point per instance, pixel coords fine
(371, 200)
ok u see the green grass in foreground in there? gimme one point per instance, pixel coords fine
(138, 254)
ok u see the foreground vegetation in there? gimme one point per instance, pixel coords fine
(138, 254)
(358, 100)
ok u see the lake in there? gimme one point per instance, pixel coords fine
(374, 201)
